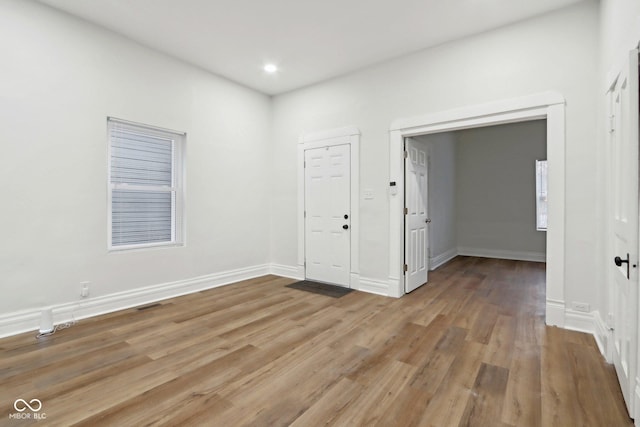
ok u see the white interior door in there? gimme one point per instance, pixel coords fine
(416, 239)
(328, 214)
(624, 150)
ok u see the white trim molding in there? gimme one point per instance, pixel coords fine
(579, 321)
(291, 272)
(603, 335)
(555, 312)
(345, 135)
(547, 105)
(502, 254)
(591, 323)
(443, 258)
(373, 286)
(29, 320)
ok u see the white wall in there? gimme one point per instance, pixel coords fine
(619, 32)
(441, 148)
(59, 80)
(555, 52)
(496, 190)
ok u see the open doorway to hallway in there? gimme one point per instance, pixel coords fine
(481, 195)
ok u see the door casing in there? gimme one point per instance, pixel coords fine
(345, 135)
(547, 105)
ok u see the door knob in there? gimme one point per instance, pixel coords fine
(346, 216)
(345, 226)
(619, 261)
(427, 221)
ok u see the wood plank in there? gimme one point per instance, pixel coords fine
(501, 343)
(376, 399)
(484, 406)
(521, 404)
(469, 348)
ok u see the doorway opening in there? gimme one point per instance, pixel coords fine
(474, 192)
(547, 106)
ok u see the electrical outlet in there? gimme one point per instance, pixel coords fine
(84, 289)
(581, 306)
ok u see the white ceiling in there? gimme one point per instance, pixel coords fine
(310, 40)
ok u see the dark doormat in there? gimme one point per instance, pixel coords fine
(320, 288)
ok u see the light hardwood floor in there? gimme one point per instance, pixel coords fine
(468, 349)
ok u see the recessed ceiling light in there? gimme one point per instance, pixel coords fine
(271, 68)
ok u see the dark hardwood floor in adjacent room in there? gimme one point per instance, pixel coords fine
(468, 349)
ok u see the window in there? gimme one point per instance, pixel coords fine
(145, 186)
(541, 195)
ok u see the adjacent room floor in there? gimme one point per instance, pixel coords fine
(470, 348)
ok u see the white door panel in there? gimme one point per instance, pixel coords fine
(416, 225)
(624, 154)
(327, 202)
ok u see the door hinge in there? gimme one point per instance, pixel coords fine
(305, 214)
(612, 124)
(610, 322)
(406, 211)
(406, 154)
(405, 268)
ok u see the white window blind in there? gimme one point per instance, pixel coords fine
(541, 195)
(145, 186)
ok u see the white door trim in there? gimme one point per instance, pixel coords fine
(326, 138)
(547, 105)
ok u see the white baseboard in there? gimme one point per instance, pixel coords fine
(555, 313)
(396, 287)
(29, 320)
(500, 254)
(292, 272)
(603, 336)
(444, 257)
(579, 321)
(373, 286)
(591, 323)
(19, 322)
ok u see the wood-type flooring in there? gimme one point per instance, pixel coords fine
(470, 348)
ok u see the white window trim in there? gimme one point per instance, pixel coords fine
(178, 237)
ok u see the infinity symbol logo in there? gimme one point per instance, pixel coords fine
(21, 405)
